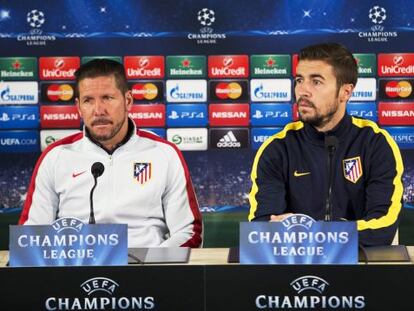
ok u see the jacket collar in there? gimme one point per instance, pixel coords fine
(341, 131)
(131, 130)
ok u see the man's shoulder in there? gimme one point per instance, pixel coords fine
(64, 142)
(156, 141)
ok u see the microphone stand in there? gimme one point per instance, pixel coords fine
(331, 142)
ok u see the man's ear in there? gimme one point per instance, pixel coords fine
(346, 92)
(129, 100)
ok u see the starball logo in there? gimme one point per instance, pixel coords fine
(35, 19)
(377, 15)
(99, 293)
(310, 293)
(206, 18)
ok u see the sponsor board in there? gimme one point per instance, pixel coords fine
(18, 68)
(59, 117)
(144, 67)
(270, 90)
(229, 138)
(23, 92)
(228, 114)
(19, 141)
(228, 66)
(260, 134)
(295, 59)
(157, 131)
(57, 92)
(365, 110)
(396, 65)
(365, 90)
(367, 64)
(396, 89)
(48, 137)
(148, 115)
(228, 90)
(403, 135)
(58, 68)
(295, 112)
(396, 113)
(186, 91)
(188, 139)
(87, 59)
(147, 90)
(270, 114)
(270, 66)
(183, 115)
(19, 117)
(186, 66)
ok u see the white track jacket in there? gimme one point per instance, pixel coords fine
(146, 184)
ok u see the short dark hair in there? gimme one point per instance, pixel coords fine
(338, 56)
(99, 67)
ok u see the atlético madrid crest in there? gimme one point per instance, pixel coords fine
(142, 172)
(352, 169)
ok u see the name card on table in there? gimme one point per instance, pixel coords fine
(298, 239)
(68, 242)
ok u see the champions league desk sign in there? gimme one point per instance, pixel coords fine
(68, 242)
(298, 239)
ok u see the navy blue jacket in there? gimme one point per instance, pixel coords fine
(290, 174)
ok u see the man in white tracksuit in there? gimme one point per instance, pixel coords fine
(145, 183)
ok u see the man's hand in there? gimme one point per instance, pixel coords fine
(280, 217)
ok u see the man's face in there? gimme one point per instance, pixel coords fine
(320, 103)
(104, 109)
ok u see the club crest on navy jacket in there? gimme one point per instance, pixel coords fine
(290, 174)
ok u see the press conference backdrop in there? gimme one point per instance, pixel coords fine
(213, 77)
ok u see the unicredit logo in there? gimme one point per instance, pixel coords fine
(56, 68)
(396, 64)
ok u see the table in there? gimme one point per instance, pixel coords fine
(208, 282)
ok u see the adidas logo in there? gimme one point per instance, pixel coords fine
(229, 141)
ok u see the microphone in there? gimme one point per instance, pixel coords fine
(331, 143)
(97, 170)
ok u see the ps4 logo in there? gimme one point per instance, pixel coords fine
(270, 114)
(186, 115)
(361, 113)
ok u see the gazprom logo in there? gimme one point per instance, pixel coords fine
(67, 223)
(270, 90)
(186, 90)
